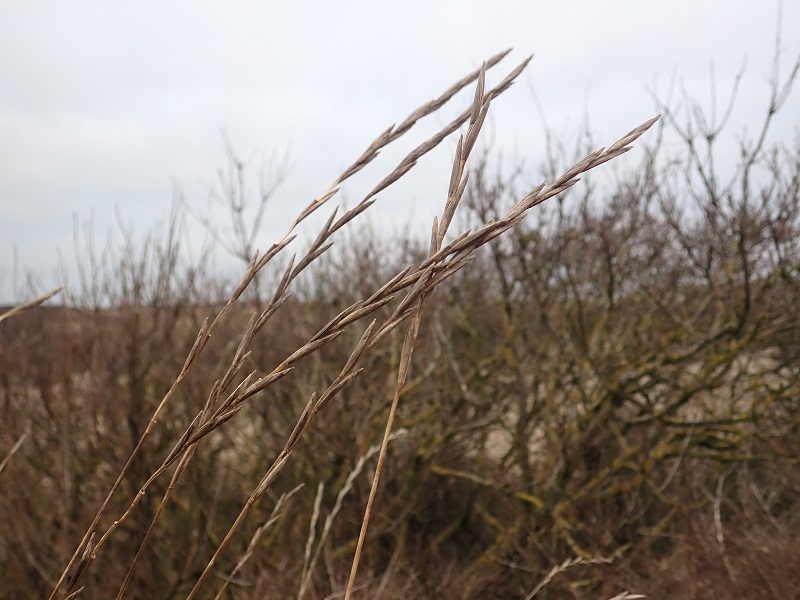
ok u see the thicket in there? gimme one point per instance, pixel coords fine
(604, 398)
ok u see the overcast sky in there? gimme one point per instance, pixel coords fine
(113, 104)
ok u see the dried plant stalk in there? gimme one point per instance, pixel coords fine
(415, 283)
(29, 304)
(257, 263)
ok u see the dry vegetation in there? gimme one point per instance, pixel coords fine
(605, 398)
